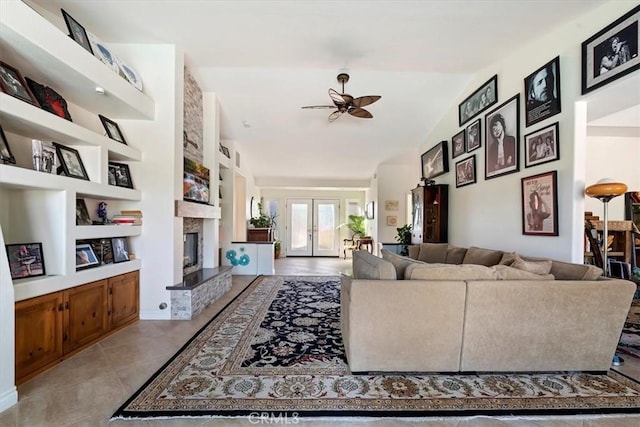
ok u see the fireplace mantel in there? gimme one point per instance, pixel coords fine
(196, 210)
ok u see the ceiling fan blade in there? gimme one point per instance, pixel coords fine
(337, 98)
(359, 112)
(365, 100)
(319, 106)
(334, 115)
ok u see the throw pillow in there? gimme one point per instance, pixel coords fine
(368, 266)
(433, 252)
(455, 255)
(399, 262)
(509, 258)
(536, 267)
(481, 256)
(505, 272)
(449, 272)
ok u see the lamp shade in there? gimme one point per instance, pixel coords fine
(606, 189)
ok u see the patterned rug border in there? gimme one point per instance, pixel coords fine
(603, 410)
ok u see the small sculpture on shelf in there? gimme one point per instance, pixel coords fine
(102, 212)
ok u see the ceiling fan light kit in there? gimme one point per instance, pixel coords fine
(345, 103)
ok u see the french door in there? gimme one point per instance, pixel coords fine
(311, 227)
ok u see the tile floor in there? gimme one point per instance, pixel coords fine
(87, 388)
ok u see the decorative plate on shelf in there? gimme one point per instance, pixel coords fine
(103, 53)
(131, 75)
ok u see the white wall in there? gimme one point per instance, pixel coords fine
(489, 212)
(394, 183)
(8, 391)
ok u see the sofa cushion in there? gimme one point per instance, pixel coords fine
(414, 251)
(508, 258)
(399, 262)
(433, 252)
(481, 256)
(536, 267)
(569, 271)
(449, 272)
(455, 255)
(506, 272)
(368, 266)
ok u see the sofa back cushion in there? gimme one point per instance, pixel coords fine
(455, 255)
(569, 271)
(481, 256)
(414, 251)
(368, 266)
(505, 272)
(399, 262)
(449, 272)
(433, 252)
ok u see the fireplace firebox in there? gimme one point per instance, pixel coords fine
(190, 250)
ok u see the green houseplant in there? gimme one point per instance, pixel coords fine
(262, 220)
(356, 225)
(404, 237)
(277, 246)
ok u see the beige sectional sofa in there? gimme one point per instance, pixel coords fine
(479, 310)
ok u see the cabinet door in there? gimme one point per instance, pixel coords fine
(124, 296)
(38, 334)
(86, 314)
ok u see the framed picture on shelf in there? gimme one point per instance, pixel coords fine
(612, 52)
(542, 146)
(458, 144)
(484, 97)
(77, 32)
(466, 171)
(82, 213)
(5, 152)
(540, 205)
(85, 256)
(49, 99)
(44, 156)
(12, 83)
(25, 260)
(542, 92)
(502, 129)
(120, 248)
(113, 131)
(435, 161)
(474, 136)
(70, 162)
(119, 175)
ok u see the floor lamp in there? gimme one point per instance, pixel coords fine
(605, 190)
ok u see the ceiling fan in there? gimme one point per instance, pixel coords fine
(345, 103)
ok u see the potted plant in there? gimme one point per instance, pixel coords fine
(276, 249)
(356, 225)
(404, 237)
(262, 220)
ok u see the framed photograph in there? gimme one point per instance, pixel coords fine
(435, 161)
(119, 175)
(542, 89)
(49, 99)
(484, 97)
(458, 144)
(85, 256)
(77, 32)
(225, 151)
(113, 131)
(82, 213)
(392, 220)
(612, 52)
(5, 152)
(502, 136)
(391, 205)
(466, 171)
(369, 211)
(120, 248)
(25, 260)
(70, 162)
(542, 146)
(44, 156)
(474, 136)
(12, 83)
(540, 204)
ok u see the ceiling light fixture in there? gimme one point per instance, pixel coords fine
(246, 124)
(99, 90)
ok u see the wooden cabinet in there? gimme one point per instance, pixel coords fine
(430, 214)
(52, 327)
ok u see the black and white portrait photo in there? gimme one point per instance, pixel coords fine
(474, 136)
(542, 146)
(616, 50)
(466, 171)
(459, 144)
(542, 91)
(502, 136)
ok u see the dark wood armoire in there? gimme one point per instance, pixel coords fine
(430, 214)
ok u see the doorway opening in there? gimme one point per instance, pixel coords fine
(312, 227)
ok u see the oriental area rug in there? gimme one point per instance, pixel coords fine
(277, 347)
(630, 339)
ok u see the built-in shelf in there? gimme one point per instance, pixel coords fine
(196, 210)
(84, 232)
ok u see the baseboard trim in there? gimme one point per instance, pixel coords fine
(155, 314)
(8, 398)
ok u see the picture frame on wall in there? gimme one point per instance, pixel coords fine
(120, 175)
(5, 152)
(612, 52)
(112, 128)
(392, 220)
(120, 248)
(458, 144)
(77, 32)
(474, 136)
(12, 83)
(70, 162)
(369, 211)
(542, 146)
(540, 204)
(542, 92)
(502, 136)
(480, 100)
(466, 171)
(25, 260)
(435, 161)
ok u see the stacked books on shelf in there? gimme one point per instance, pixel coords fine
(128, 217)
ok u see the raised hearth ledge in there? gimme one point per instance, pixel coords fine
(198, 290)
(197, 210)
(198, 277)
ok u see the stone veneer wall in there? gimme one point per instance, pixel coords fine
(187, 304)
(192, 144)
